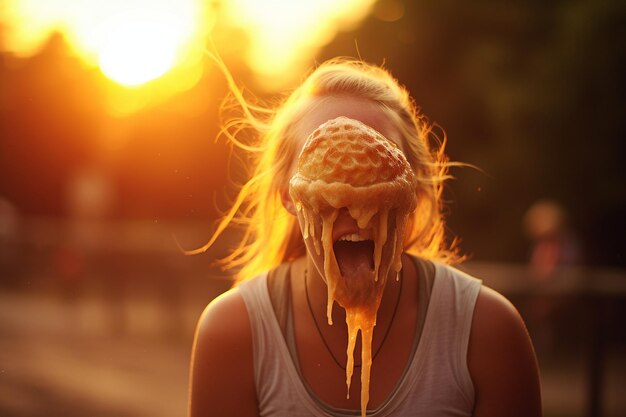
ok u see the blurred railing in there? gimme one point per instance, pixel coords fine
(118, 263)
(123, 262)
(597, 293)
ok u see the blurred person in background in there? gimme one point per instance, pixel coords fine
(554, 244)
(90, 199)
(554, 248)
(444, 345)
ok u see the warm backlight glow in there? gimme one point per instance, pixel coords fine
(135, 41)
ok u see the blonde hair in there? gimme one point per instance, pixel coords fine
(271, 234)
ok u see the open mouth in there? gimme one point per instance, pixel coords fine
(355, 255)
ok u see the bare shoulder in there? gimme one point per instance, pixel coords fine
(221, 374)
(227, 317)
(501, 360)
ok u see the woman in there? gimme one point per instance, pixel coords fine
(444, 345)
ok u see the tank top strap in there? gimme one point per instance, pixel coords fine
(279, 288)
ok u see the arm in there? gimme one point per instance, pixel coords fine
(501, 360)
(222, 375)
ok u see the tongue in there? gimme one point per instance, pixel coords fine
(355, 259)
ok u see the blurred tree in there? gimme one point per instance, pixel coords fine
(533, 94)
(49, 105)
(530, 92)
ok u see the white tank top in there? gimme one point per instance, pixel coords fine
(436, 382)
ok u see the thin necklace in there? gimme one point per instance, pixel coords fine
(393, 316)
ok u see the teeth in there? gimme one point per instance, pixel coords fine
(354, 237)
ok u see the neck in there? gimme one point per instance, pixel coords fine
(318, 293)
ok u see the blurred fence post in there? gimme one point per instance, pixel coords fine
(597, 346)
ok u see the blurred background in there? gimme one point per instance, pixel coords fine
(109, 113)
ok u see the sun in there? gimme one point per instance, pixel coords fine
(137, 50)
(131, 41)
